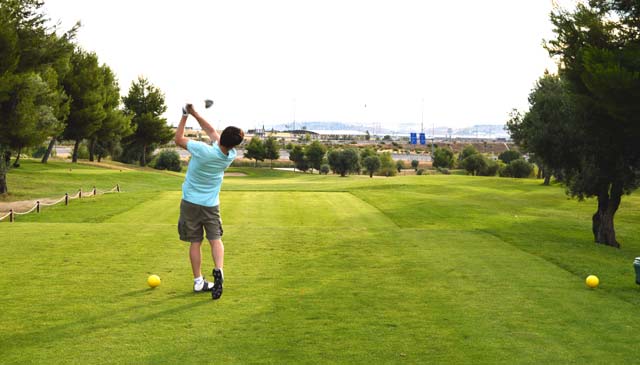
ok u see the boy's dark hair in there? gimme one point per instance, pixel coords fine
(231, 137)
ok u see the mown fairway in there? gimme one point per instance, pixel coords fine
(319, 269)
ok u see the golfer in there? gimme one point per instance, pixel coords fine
(200, 205)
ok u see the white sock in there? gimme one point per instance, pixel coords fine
(198, 281)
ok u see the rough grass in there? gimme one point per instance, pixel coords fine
(319, 269)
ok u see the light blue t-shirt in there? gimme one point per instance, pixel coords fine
(205, 173)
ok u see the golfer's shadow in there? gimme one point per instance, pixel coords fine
(81, 326)
(146, 291)
(135, 293)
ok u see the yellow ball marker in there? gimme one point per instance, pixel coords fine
(153, 281)
(592, 281)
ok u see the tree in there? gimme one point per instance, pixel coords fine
(415, 164)
(84, 84)
(442, 158)
(602, 74)
(509, 155)
(467, 151)
(598, 88)
(474, 164)
(297, 156)
(344, 161)
(168, 160)
(399, 165)
(366, 152)
(387, 166)
(314, 154)
(63, 48)
(145, 105)
(33, 118)
(32, 60)
(372, 164)
(547, 129)
(271, 150)
(492, 167)
(115, 126)
(255, 150)
(517, 168)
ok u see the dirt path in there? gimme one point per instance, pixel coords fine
(24, 205)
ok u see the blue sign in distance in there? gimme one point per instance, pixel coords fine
(423, 139)
(414, 138)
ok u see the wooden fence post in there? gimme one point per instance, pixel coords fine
(11, 215)
(118, 188)
(38, 206)
(94, 191)
(66, 198)
(80, 193)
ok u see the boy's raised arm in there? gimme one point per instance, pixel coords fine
(208, 128)
(180, 139)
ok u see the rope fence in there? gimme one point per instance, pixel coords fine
(66, 198)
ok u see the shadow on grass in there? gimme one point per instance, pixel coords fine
(569, 245)
(84, 325)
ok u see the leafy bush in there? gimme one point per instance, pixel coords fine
(414, 164)
(443, 157)
(444, 171)
(520, 168)
(420, 172)
(474, 164)
(371, 164)
(508, 156)
(387, 166)
(168, 160)
(469, 150)
(344, 161)
(324, 169)
(491, 168)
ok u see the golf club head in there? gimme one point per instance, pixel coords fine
(208, 103)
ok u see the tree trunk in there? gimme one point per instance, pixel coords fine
(371, 174)
(603, 220)
(92, 146)
(540, 172)
(16, 163)
(99, 157)
(143, 158)
(547, 179)
(3, 181)
(4, 167)
(74, 158)
(52, 143)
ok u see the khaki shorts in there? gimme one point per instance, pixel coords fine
(195, 218)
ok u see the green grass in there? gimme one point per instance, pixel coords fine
(319, 269)
(36, 180)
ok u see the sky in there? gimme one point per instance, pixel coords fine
(372, 63)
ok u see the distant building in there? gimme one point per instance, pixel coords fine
(283, 136)
(341, 135)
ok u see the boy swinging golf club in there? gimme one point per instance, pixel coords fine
(199, 208)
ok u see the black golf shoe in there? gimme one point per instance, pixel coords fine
(218, 278)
